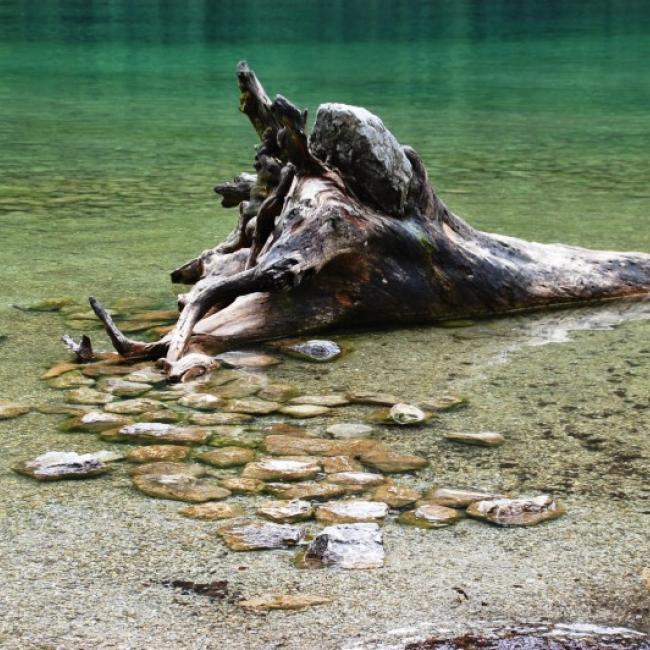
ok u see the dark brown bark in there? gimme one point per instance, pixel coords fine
(326, 240)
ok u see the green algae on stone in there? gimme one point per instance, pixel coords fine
(134, 406)
(123, 388)
(70, 380)
(430, 516)
(161, 415)
(523, 511)
(86, 395)
(220, 419)
(227, 457)
(49, 304)
(201, 401)
(278, 392)
(234, 436)
(252, 535)
(251, 406)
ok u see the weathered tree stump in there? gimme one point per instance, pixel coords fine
(344, 229)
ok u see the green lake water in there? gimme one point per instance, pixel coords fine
(533, 118)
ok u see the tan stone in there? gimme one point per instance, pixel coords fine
(311, 490)
(211, 511)
(59, 369)
(286, 511)
(459, 498)
(396, 496)
(482, 438)
(238, 485)
(366, 479)
(10, 410)
(85, 395)
(444, 403)
(202, 401)
(336, 464)
(321, 400)
(430, 516)
(158, 432)
(354, 511)
(227, 456)
(251, 406)
(96, 421)
(372, 398)
(386, 460)
(134, 406)
(304, 410)
(524, 511)
(277, 392)
(153, 453)
(166, 467)
(219, 419)
(283, 601)
(281, 469)
(180, 487)
(293, 446)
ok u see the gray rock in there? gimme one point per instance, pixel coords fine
(344, 431)
(58, 465)
(524, 511)
(250, 535)
(482, 438)
(347, 546)
(287, 512)
(319, 351)
(366, 152)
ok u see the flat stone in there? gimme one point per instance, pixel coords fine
(321, 400)
(62, 409)
(316, 350)
(285, 429)
(59, 369)
(219, 419)
(153, 453)
(158, 432)
(524, 511)
(277, 392)
(311, 490)
(345, 430)
(292, 446)
(337, 464)
(180, 487)
(211, 511)
(274, 469)
(49, 304)
(10, 410)
(233, 436)
(284, 511)
(134, 406)
(238, 485)
(238, 389)
(400, 414)
(304, 410)
(247, 359)
(85, 395)
(351, 512)
(430, 516)
(202, 401)
(147, 375)
(444, 403)
(347, 546)
(60, 465)
(101, 369)
(155, 315)
(254, 535)
(283, 601)
(371, 160)
(396, 496)
(227, 457)
(122, 388)
(162, 415)
(251, 406)
(96, 421)
(162, 468)
(482, 438)
(366, 479)
(70, 380)
(454, 498)
(386, 460)
(372, 398)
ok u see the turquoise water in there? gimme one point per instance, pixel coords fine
(117, 118)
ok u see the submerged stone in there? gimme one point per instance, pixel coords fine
(59, 465)
(251, 535)
(345, 430)
(134, 406)
(311, 490)
(101, 369)
(227, 457)
(274, 469)
(347, 546)
(49, 304)
(321, 400)
(236, 359)
(96, 421)
(482, 438)
(70, 380)
(367, 479)
(278, 392)
(180, 487)
(147, 375)
(337, 464)
(396, 496)
(319, 351)
(85, 395)
(386, 460)
(122, 388)
(238, 485)
(158, 432)
(351, 512)
(372, 398)
(283, 601)
(59, 369)
(304, 410)
(407, 414)
(284, 511)
(61, 409)
(165, 468)
(233, 436)
(237, 389)
(251, 406)
(163, 415)
(153, 453)
(524, 511)
(203, 401)
(292, 446)
(219, 419)
(455, 498)
(444, 403)
(285, 429)
(430, 516)
(10, 410)
(211, 511)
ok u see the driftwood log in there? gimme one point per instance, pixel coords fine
(344, 229)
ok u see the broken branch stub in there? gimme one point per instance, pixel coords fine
(345, 229)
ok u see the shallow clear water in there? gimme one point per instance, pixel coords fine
(117, 118)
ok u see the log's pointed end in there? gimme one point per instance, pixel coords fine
(83, 350)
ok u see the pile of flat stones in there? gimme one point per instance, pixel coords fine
(232, 433)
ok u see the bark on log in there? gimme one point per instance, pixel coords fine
(346, 230)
